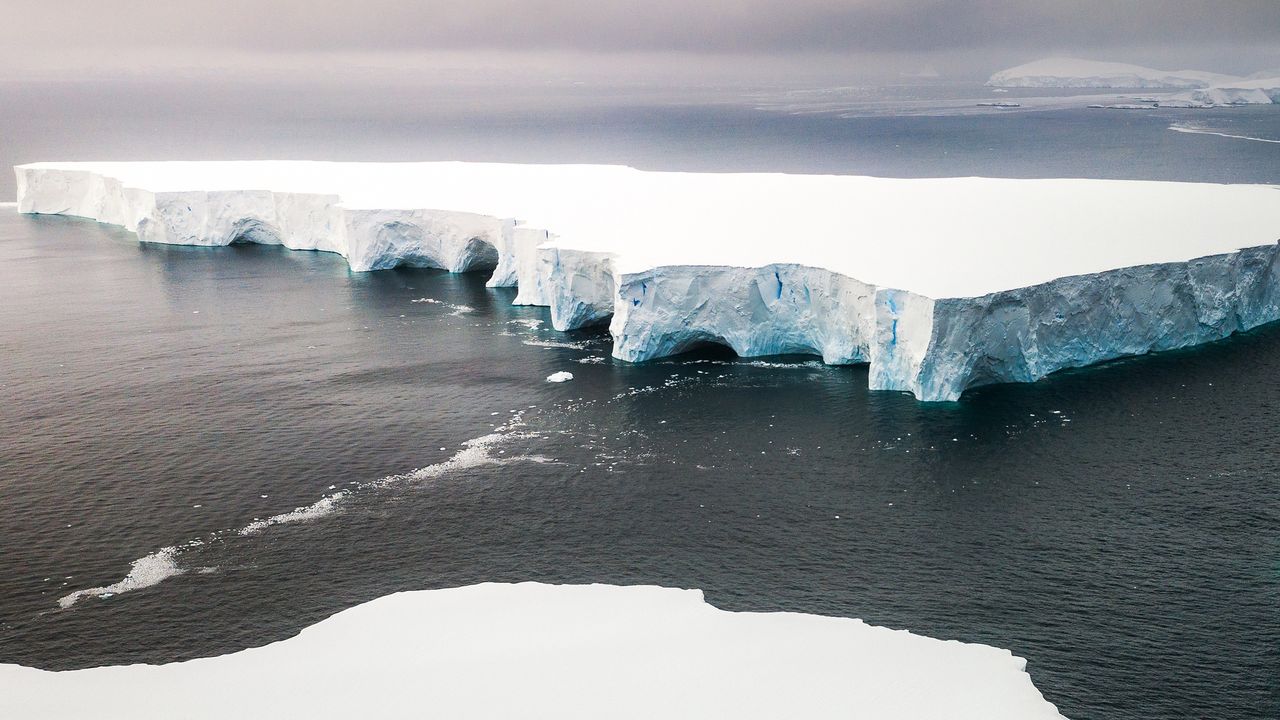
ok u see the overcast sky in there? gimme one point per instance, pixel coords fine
(67, 35)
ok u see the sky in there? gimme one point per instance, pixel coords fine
(964, 37)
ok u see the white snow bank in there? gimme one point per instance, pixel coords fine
(532, 650)
(763, 263)
(1066, 72)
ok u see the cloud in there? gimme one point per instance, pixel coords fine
(52, 37)
(703, 26)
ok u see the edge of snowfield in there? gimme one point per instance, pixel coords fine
(940, 284)
(563, 651)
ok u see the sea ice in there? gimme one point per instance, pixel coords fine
(560, 377)
(146, 571)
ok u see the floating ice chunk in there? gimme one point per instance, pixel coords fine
(326, 505)
(457, 309)
(555, 344)
(560, 377)
(146, 571)
(1124, 106)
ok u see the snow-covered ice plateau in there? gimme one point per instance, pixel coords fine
(940, 284)
(579, 651)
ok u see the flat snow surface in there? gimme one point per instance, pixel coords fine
(950, 237)
(530, 650)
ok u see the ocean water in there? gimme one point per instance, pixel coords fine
(265, 438)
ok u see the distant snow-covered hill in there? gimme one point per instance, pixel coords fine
(1064, 72)
(1200, 88)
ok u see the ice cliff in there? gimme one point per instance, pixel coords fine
(531, 650)
(939, 284)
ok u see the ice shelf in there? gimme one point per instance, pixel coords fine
(547, 651)
(940, 284)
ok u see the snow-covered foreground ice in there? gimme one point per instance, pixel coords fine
(940, 284)
(533, 650)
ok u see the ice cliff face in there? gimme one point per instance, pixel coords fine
(1025, 334)
(931, 344)
(936, 349)
(770, 310)
(453, 241)
(578, 286)
(370, 239)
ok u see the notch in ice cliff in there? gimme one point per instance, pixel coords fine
(940, 284)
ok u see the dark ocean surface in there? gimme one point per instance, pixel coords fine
(1119, 526)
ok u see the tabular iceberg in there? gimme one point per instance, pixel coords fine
(531, 650)
(940, 284)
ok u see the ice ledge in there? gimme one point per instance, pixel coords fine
(846, 268)
(532, 650)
